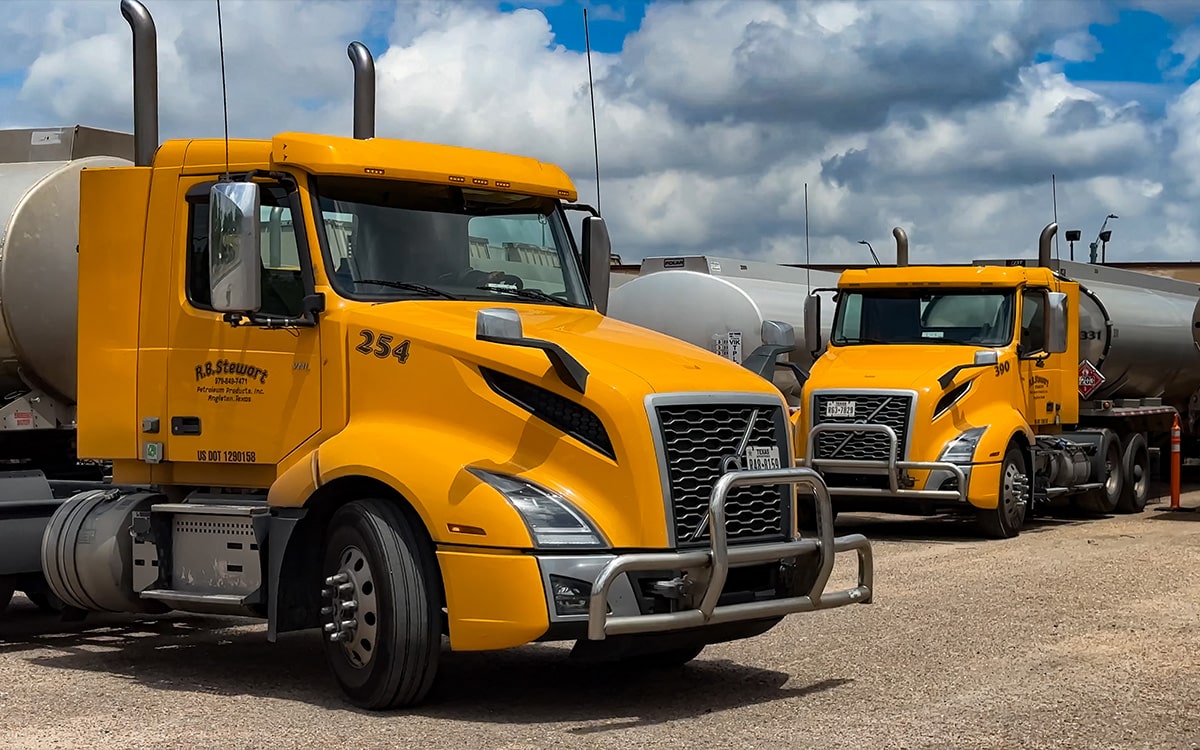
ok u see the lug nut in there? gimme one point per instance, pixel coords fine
(327, 610)
(330, 627)
(348, 624)
(327, 593)
(336, 579)
(351, 604)
(346, 587)
(338, 637)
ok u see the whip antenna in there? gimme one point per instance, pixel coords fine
(587, 41)
(807, 252)
(224, 96)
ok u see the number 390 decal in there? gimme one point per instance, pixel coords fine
(381, 346)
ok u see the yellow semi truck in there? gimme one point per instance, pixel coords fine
(997, 388)
(367, 386)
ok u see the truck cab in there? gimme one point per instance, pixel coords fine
(934, 383)
(366, 385)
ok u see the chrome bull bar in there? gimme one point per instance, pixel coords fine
(719, 557)
(891, 466)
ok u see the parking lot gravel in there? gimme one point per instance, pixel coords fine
(1080, 633)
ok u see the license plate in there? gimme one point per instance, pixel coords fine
(762, 457)
(839, 408)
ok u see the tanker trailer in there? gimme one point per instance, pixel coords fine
(1139, 350)
(721, 304)
(39, 207)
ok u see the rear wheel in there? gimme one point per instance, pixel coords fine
(46, 600)
(1135, 489)
(1107, 468)
(381, 622)
(1008, 517)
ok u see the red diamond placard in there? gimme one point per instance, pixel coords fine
(1090, 379)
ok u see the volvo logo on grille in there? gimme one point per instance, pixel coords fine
(732, 462)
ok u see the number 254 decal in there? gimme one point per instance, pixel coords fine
(381, 346)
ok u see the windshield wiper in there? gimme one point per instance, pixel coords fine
(410, 286)
(527, 293)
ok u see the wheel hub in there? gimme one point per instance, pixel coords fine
(349, 617)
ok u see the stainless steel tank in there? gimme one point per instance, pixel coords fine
(720, 304)
(39, 237)
(1140, 330)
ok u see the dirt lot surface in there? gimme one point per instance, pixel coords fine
(1077, 634)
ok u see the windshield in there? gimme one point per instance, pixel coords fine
(923, 316)
(402, 240)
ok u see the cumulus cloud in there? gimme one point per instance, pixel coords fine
(932, 115)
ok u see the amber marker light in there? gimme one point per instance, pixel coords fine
(458, 528)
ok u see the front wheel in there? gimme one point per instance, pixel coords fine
(1008, 517)
(381, 621)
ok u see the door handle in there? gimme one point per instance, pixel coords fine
(185, 425)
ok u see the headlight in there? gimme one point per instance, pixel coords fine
(961, 450)
(551, 519)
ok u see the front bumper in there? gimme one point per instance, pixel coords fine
(605, 615)
(939, 471)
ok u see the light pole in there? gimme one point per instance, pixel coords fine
(873, 255)
(1102, 237)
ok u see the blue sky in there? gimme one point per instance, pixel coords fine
(945, 117)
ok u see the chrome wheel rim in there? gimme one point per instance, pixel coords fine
(351, 612)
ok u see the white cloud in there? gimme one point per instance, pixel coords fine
(929, 114)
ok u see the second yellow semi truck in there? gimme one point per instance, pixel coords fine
(993, 389)
(367, 386)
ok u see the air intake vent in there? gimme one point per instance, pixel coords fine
(557, 411)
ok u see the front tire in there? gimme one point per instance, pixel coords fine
(1008, 517)
(381, 622)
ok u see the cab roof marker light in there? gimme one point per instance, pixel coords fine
(456, 178)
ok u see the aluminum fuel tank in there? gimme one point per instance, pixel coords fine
(39, 237)
(719, 303)
(1140, 330)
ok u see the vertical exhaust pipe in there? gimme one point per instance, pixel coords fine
(364, 90)
(145, 81)
(1044, 241)
(901, 246)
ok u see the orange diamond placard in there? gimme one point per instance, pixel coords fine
(1090, 379)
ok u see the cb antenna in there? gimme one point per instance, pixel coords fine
(807, 253)
(587, 41)
(224, 96)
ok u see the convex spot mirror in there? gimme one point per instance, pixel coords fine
(234, 255)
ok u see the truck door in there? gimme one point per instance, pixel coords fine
(1035, 379)
(240, 395)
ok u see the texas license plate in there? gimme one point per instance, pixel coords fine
(762, 457)
(839, 409)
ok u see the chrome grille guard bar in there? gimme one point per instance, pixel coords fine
(890, 465)
(719, 557)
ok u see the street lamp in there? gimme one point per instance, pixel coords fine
(873, 255)
(1102, 237)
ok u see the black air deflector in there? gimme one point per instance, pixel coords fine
(557, 411)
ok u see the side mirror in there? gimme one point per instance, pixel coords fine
(779, 334)
(498, 323)
(1056, 323)
(812, 323)
(597, 259)
(234, 255)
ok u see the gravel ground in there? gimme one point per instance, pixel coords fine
(1079, 634)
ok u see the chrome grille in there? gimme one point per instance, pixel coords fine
(697, 440)
(891, 409)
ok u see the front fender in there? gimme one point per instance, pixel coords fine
(420, 466)
(1004, 425)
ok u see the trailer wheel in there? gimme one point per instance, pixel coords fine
(1008, 517)
(1103, 500)
(1135, 489)
(381, 619)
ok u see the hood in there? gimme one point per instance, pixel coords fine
(915, 367)
(621, 355)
